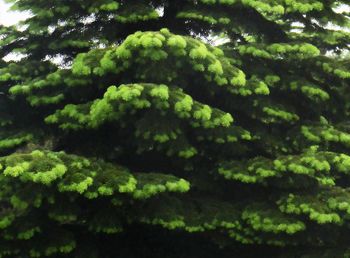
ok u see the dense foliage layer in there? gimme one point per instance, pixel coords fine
(148, 139)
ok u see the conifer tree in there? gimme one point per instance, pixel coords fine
(150, 139)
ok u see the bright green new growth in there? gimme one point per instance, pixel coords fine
(209, 128)
(56, 172)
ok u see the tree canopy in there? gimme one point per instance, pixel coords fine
(194, 128)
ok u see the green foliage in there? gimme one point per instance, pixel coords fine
(152, 135)
(52, 175)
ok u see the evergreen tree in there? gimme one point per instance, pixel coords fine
(148, 139)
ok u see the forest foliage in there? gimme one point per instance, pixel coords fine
(194, 128)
